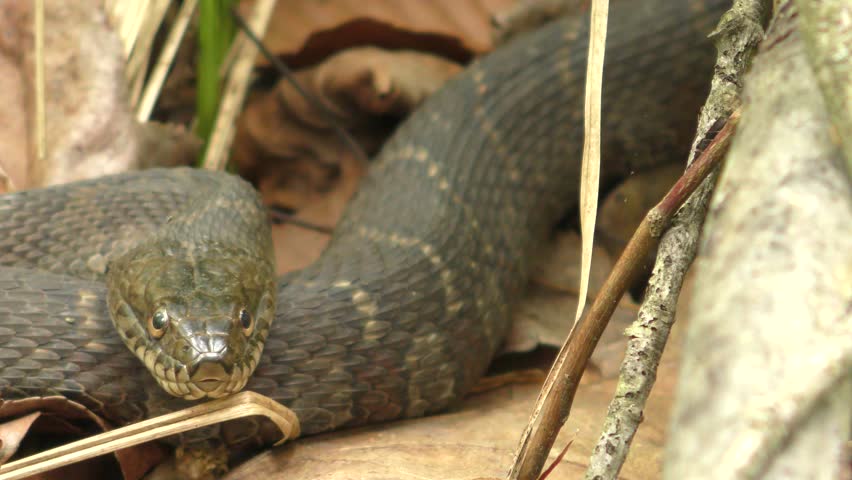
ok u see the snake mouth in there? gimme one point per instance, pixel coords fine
(190, 388)
(209, 376)
(205, 379)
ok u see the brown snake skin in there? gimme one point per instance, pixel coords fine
(406, 307)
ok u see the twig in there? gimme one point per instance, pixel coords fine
(243, 404)
(578, 347)
(736, 38)
(556, 460)
(279, 216)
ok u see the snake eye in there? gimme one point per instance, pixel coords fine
(157, 323)
(246, 321)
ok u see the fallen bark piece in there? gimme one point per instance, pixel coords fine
(825, 27)
(764, 389)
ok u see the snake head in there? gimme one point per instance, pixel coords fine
(196, 315)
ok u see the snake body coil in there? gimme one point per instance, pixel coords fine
(412, 297)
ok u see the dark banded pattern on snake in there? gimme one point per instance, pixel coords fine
(412, 297)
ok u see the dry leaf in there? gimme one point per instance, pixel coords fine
(303, 32)
(624, 207)
(60, 418)
(12, 432)
(380, 82)
(297, 247)
(167, 145)
(528, 15)
(558, 267)
(543, 318)
(297, 161)
(367, 89)
(474, 441)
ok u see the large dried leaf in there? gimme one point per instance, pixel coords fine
(474, 441)
(12, 433)
(59, 419)
(293, 155)
(307, 31)
(282, 137)
(543, 317)
(624, 207)
(297, 247)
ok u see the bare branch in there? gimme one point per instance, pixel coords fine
(736, 38)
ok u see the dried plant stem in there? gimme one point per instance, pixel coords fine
(137, 63)
(164, 62)
(590, 170)
(581, 342)
(235, 90)
(129, 15)
(40, 108)
(589, 187)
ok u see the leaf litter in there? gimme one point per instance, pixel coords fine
(296, 162)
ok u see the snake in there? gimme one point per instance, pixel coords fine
(409, 302)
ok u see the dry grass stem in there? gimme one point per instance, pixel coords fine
(40, 105)
(235, 89)
(137, 62)
(167, 57)
(591, 167)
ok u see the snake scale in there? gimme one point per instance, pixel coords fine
(409, 302)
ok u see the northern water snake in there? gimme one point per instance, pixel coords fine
(409, 302)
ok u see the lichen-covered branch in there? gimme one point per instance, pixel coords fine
(764, 390)
(736, 37)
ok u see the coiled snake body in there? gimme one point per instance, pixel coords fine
(412, 297)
